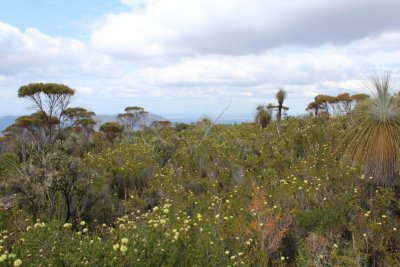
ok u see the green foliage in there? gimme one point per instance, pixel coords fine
(45, 88)
(321, 219)
(112, 130)
(7, 162)
(242, 196)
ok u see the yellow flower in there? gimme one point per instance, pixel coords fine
(67, 225)
(3, 257)
(124, 240)
(82, 223)
(176, 236)
(116, 246)
(123, 249)
(17, 262)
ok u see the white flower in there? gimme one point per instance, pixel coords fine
(17, 262)
(3, 257)
(123, 249)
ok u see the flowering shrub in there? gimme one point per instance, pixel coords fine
(241, 196)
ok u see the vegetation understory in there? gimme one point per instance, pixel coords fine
(235, 195)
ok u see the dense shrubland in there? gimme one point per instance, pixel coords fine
(240, 195)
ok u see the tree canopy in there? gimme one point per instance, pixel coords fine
(45, 88)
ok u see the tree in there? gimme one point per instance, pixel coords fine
(313, 106)
(112, 130)
(345, 102)
(280, 97)
(270, 108)
(49, 98)
(80, 119)
(323, 102)
(74, 116)
(131, 117)
(161, 124)
(143, 118)
(28, 134)
(263, 117)
(373, 136)
(359, 97)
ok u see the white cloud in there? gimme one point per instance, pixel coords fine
(166, 27)
(193, 56)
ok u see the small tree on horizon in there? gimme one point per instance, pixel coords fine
(263, 116)
(280, 97)
(131, 118)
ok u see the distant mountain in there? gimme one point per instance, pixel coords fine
(8, 120)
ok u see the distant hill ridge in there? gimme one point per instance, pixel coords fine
(8, 120)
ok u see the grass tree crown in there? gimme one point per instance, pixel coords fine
(281, 96)
(373, 137)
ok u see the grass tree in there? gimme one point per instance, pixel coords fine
(263, 117)
(373, 138)
(280, 97)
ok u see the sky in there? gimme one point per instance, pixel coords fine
(187, 59)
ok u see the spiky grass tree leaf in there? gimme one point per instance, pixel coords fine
(373, 136)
